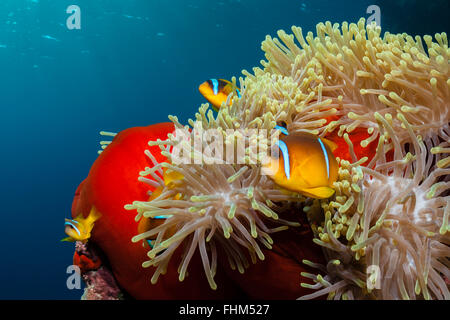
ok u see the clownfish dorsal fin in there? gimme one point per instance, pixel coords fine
(226, 81)
(228, 87)
(93, 216)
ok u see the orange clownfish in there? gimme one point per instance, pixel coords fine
(306, 164)
(145, 224)
(79, 229)
(217, 91)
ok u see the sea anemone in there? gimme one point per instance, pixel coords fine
(394, 208)
(270, 98)
(357, 72)
(390, 211)
(221, 203)
(386, 234)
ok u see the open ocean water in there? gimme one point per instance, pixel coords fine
(131, 64)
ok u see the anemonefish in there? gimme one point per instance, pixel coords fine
(216, 91)
(79, 229)
(145, 224)
(306, 164)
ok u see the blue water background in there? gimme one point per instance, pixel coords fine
(131, 64)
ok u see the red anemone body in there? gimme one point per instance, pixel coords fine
(112, 183)
(356, 136)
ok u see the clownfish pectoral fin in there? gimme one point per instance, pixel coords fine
(68, 239)
(319, 193)
(333, 146)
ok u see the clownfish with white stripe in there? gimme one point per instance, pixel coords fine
(146, 224)
(306, 164)
(79, 229)
(216, 91)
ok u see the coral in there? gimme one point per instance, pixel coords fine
(100, 282)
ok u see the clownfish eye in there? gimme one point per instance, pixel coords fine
(282, 126)
(70, 225)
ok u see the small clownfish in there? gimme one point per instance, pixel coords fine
(79, 229)
(217, 91)
(146, 224)
(306, 164)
